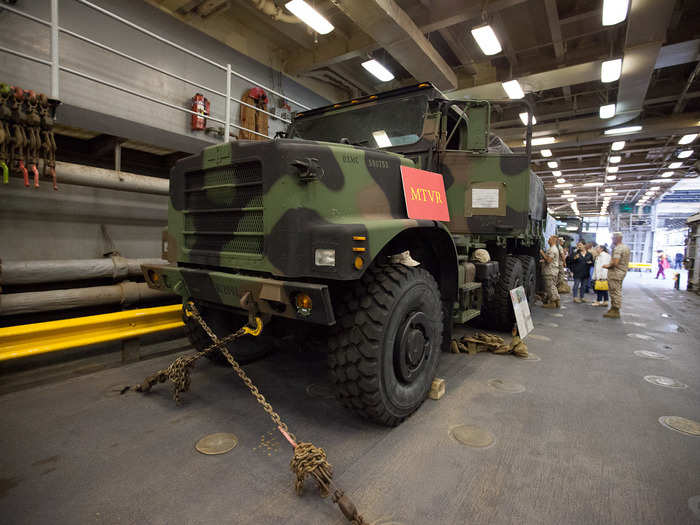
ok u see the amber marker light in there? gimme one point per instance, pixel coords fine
(359, 263)
(304, 304)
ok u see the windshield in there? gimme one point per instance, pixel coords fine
(384, 124)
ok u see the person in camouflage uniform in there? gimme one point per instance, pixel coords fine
(617, 269)
(550, 272)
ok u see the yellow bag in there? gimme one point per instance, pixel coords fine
(601, 286)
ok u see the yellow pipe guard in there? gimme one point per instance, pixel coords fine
(40, 338)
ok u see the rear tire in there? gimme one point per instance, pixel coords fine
(511, 276)
(385, 349)
(529, 276)
(245, 349)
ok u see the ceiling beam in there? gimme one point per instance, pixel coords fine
(392, 28)
(456, 45)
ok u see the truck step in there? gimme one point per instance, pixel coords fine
(462, 316)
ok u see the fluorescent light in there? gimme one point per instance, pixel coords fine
(381, 138)
(563, 185)
(610, 177)
(617, 146)
(566, 192)
(614, 11)
(654, 188)
(683, 154)
(614, 159)
(552, 164)
(309, 16)
(687, 139)
(675, 165)
(556, 173)
(570, 199)
(561, 180)
(523, 118)
(622, 131)
(592, 184)
(607, 111)
(665, 181)
(667, 174)
(540, 141)
(612, 169)
(514, 91)
(487, 40)
(610, 70)
(548, 152)
(378, 70)
(608, 190)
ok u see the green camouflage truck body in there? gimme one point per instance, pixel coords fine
(247, 216)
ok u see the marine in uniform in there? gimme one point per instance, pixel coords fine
(617, 269)
(562, 285)
(550, 272)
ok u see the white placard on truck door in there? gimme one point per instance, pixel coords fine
(484, 198)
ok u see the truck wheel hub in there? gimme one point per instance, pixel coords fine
(412, 346)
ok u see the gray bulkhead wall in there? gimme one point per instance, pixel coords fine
(43, 224)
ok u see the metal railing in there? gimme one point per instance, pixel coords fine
(56, 67)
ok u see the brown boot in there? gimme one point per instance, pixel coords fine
(550, 305)
(613, 313)
(557, 304)
(577, 300)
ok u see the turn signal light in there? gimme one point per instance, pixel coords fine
(359, 263)
(304, 304)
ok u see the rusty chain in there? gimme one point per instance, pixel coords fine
(308, 460)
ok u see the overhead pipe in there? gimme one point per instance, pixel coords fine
(80, 175)
(124, 293)
(276, 13)
(35, 272)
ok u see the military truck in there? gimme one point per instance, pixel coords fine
(312, 231)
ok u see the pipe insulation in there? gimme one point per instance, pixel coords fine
(125, 293)
(276, 13)
(80, 175)
(35, 272)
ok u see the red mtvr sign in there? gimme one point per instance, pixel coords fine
(424, 192)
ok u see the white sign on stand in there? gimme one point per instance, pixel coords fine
(522, 311)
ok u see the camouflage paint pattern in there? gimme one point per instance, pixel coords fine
(248, 216)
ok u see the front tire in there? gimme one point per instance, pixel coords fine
(385, 350)
(529, 276)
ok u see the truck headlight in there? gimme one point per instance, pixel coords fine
(324, 257)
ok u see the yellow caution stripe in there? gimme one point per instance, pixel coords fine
(40, 338)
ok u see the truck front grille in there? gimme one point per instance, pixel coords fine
(224, 210)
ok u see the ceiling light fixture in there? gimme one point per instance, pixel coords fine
(617, 146)
(552, 164)
(622, 131)
(610, 70)
(546, 152)
(556, 173)
(608, 190)
(541, 141)
(378, 70)
(309, 16)
(654, 188)
(566, 192)
(667, 174)
(610, 177)
(592, 184)
(514, 91)
(523, 118)
(687, 139)
(570, 199)
(675, 165)
(664, 181)
(487, 40)
(614, 159)
(685, 153)
(612, 169)
(614, 11)
(563, 185)
(607, 111)
(561, 180)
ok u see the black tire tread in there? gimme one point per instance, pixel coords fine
(503, 316)
(529, 265)
(356, 347)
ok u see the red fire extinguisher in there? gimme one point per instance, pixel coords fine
(200, 105)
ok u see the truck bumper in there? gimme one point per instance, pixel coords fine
(270, 296)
